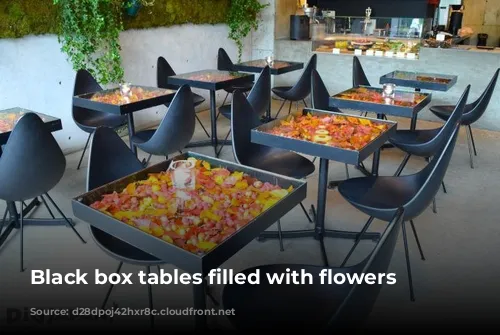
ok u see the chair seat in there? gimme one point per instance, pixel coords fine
(100, 119)
(413, 141)
(281, 162)
(143, 136)
(284, 307)
(242, 87)
(225, 111)
(281, 91)
(379, 196)
(442, 112)
(122, 251)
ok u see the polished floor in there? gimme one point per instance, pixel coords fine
(456, 284)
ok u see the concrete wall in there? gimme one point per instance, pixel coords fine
(471, 67)
(34, 74)
(483, 16)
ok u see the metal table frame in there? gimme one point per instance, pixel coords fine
(212, 87)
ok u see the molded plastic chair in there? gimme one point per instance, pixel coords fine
(175, 130)
(86, 119)
(163, 71)
(358, 74)
(472, 113)
(279, 161)
(300, 90)
(380, 197)
(31, 165)
(311, 308)
(110, 159)
(426, 142)
(259, 98)
(224, 63)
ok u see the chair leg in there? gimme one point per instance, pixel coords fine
(83, 153)
(314, 159)
(444, 187)
(434, 207)
(304, 101)
(472, 140)
(22, 235)
(150, 299)
(47, 206)
(222, 145)
(347, 171)
(417, 240)
(290, 108)
(469, 143)
(280, 237)
(358, 238)
(402, 165)
(408, 266)
(111, 288)
(305, 212)
(149, 158)
(279, 110)
(65, 218)
(202, 126)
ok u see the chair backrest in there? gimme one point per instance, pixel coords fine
(358, 304)
(32, 162)
(358, 75)
(302, 87)
(110, 159)
(177, 127)
(447, 129)
(243, 120)
(319, 94)
(84, 83)
(163, 71)
(260, 95)
(475, 110)
(224, 62)
(430, 178)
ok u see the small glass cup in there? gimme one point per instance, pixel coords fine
(125, 89)
(389, 90)
(270, 60)
(183, 176)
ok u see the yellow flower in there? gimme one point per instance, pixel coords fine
(241, 185)
(206, 245)
(209, 215)
(219, 180)
(206, 165)
(279, 193)
(155, 188)
(167, 238)
(131, 189)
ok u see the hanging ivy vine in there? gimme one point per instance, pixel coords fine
(89, 32)
(243, 17)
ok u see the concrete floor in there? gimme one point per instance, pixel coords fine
(457, 284)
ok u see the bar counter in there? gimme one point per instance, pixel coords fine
(475, 67)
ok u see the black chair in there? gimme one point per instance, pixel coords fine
(259, 98)
(300, 91)
(311, 308)
(358, 74)
(379, 197)
(86, 119)
(224, 63)
(472, 113)
(279, 161)
(110, 159)
(424, 142)
(175, 130)
(31, 165)
(163, 71)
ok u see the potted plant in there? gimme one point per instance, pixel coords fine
(133, 6)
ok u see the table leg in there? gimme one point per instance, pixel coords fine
(413, 123)
(376, 155)
(213, 120)
(200, 303)
(131, 132)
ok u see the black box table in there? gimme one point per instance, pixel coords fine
(111, 101)
(8, 120)
(419, 80)
(273, 134)
(212, 80)
(171, 253)
(277, 67)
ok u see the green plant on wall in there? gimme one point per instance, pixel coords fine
(243, 17)
(89, 32)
